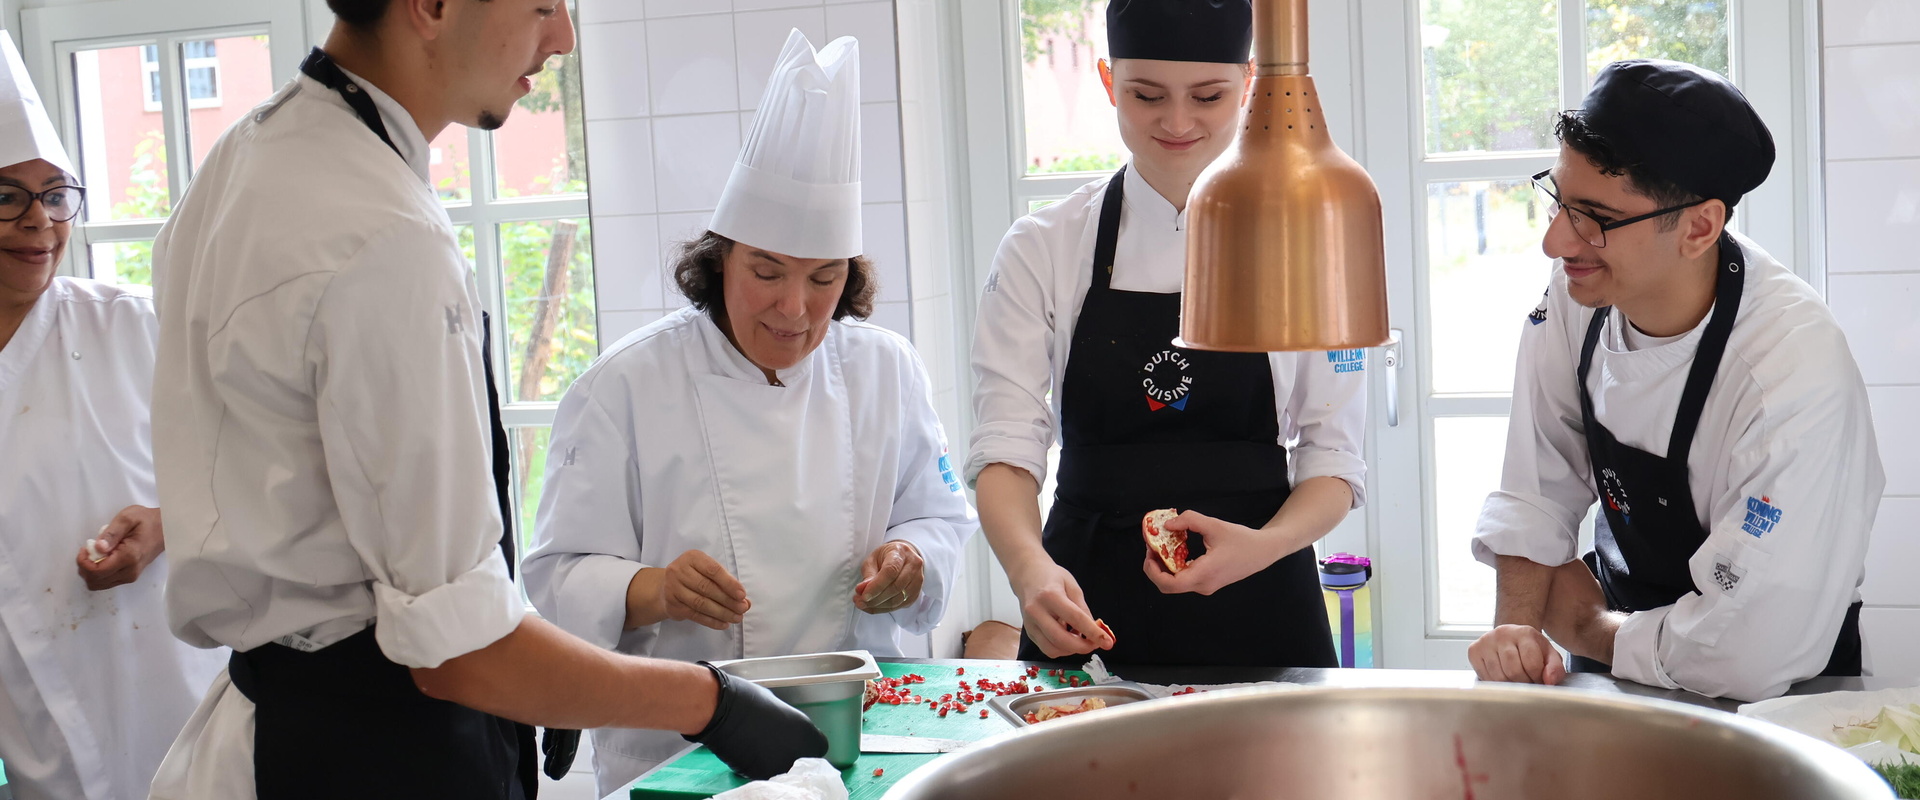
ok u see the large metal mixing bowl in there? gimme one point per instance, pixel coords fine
(1484, 743)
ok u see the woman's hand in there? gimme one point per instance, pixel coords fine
(696, 588)
(1233, 553)
(127, 545)
(1055, 613)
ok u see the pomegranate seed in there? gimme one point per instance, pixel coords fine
(879, 772)
(960, 671)
(983, 713)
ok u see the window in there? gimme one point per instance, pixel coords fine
(1480, 82)
(519, 198)
(1067, 134)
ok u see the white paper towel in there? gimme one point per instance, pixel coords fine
(810, 779)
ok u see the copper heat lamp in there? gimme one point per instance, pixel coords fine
(1284, 245)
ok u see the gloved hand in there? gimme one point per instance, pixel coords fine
(754, 732)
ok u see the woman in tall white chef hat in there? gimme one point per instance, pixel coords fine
(761, 473)
(95, 685)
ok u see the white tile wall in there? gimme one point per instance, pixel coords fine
(690, 64)
(1896, 549)
(1871, 22)
(1871, 98)
(1878, 314)
(896, 316)
(621, 166)
(758, 36)
(1892, 646)
(670, 88)
(1882, 220)
(1896, 420)
(1872, 92)
(620, 56)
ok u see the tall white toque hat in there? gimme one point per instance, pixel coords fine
(26, 132)
(795, 189)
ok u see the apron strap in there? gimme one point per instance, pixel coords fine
(1713, 345)
(320, 67)
(1728, 287)
(1108, 236)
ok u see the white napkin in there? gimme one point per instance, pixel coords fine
(1817, 715)
(810, 779)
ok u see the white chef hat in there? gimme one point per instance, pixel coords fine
(26, 132)
(795, 189)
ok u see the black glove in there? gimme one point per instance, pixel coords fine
(754, 732)
(560, 746)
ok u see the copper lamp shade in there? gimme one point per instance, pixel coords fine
(1284, 243)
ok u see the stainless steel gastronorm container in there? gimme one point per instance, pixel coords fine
(1014, 707)
(1484, 743)
(827, 686)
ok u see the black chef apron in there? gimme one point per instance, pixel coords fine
(1146, 425)
(1648, 533)
(346, 721)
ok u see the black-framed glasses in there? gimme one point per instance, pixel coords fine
(63, 203)
(1590, 230)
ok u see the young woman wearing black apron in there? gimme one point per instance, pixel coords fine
(1216, 453)
(1648, 533)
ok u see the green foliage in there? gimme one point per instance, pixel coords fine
(1694, 31)
(1082, 162)
(1904, 778)
(147, 198)
(523, 260)
(1040, 19)
(1492, 66)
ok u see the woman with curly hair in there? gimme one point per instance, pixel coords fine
(761, 473)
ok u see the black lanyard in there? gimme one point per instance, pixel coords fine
(320, 67)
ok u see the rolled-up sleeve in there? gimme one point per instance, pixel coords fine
(588, 529)
(1012, 359)
(1545, 484)
(929, 509)
(1326, 417)
(394, 353)
(1782, 562)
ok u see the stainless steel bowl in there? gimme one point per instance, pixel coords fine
(827, 686)
(1484, 743)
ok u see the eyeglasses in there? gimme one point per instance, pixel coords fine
(1589, 229)
(63, 203)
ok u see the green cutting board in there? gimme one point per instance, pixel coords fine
(699, 774)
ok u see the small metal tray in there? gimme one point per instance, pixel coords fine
(1014, 707)
(779, 672)
(826, 686)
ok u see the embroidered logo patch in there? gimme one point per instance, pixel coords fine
(1726, 575)
(993, 282)
(1616, 495)
(1539, 314)
(1348, 360)
(454, 321)
(1761, 516)
(1166, 380)
(946, 472)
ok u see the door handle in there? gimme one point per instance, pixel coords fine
(1390, 354)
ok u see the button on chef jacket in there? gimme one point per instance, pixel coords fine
(95, 686)
(322, 445)
(1785, 473)
(674, 441)
(1032, 299)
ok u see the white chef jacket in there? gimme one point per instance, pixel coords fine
(92, 685)
(1786, 433)
(322, 433)
(674, 441)
(1032, 301)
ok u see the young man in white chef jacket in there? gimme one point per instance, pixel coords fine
(761, 473)
(322, 438)
(1703, 394)
(92, 686)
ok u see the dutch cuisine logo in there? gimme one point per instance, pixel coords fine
(1166, 380)
(1616, 494)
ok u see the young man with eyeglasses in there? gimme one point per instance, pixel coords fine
(1702, 394)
